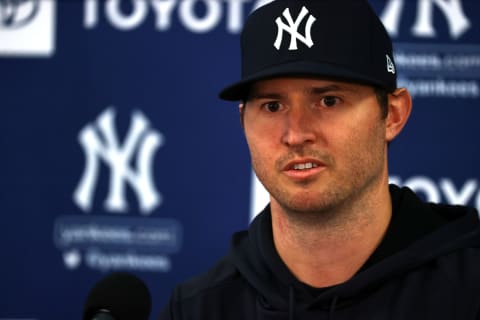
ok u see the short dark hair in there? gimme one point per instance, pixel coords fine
(382, 98)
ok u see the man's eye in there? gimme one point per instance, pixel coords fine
(272, 106)
(330, 101)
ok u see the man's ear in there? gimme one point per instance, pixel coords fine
(399, 108)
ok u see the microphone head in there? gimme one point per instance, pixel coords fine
(122, 294)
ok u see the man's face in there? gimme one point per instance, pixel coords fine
(315, 144)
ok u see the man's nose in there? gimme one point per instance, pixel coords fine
(298, 128)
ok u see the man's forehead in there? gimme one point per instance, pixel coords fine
(309, 84)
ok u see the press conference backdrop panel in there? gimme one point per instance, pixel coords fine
(117, 155)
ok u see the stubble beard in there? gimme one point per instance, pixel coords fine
(339, 196)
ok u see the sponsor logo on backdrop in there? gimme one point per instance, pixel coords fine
(165, 12)
(112, 238)
(18, 13)
(444, 70)
(443, 190)
(27, 28)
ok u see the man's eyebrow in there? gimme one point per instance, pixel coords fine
(264, 95)
(326, 89)
(317, 90)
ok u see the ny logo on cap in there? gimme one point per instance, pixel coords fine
(292, 28)
(390, 65)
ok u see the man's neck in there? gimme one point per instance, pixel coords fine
(325, 249)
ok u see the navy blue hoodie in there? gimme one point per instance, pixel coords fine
(427, 267)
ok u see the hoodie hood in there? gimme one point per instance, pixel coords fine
(418, 234)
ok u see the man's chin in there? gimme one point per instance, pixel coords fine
(311, 204)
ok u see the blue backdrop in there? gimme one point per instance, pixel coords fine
(117, 155)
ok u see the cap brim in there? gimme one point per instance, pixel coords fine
(239, 90)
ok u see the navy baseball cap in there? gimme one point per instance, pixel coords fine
(340, 39)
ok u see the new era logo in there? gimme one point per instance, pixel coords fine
(390, 65)
(292, 28)
(27, 27)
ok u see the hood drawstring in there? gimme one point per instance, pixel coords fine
(291, 303)
(332, 307)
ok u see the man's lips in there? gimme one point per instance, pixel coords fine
(303, 165)
(303, 168)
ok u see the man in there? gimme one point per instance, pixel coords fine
(319, 106)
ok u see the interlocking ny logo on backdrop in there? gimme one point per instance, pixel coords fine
(27, 27)
(292, 29)
(100, 142)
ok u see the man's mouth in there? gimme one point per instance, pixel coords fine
(303, 169)
(304, 166)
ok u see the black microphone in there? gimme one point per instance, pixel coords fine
(118, 296)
